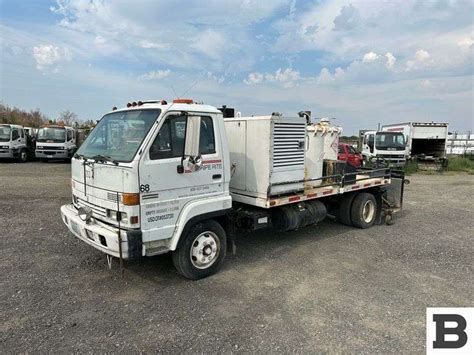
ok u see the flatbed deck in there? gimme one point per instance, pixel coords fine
(363, 180)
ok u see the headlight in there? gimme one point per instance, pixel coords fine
(84, 213)
(39, 147)
(5, 147)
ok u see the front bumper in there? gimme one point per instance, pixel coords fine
(102, 236)
(6, 153)
(52, 154)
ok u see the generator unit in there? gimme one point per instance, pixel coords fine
(267, 153)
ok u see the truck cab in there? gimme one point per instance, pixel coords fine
(13, 142)
(145, 175)
(388, 146)
(55, 142)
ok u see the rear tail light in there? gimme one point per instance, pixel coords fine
(134, 219)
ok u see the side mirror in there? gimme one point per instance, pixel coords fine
(191, 146)
(191, 142)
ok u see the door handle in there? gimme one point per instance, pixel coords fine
(216, 176)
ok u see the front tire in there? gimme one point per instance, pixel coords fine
(202, 251)
(363, 210)
(23, 156)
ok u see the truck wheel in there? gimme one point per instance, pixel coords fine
(202, 250)
(23, 156)
(344, 213)
(363, 210)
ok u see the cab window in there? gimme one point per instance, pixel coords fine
(341, 149)
(207, 142)
(15, 134)
(169, 143)
(69, 135)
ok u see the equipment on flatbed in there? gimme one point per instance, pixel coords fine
(155, 177)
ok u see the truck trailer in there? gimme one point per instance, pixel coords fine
(426, 141)
(158, 177)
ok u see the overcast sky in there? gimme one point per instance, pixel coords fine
(363, 62)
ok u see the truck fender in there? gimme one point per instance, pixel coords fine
(196, 211)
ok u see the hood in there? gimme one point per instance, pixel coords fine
(105, 176)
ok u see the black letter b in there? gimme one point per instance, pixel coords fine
(441, 331)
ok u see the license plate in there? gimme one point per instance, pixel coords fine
(75, 228)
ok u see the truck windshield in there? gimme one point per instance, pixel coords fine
(5, 133)
(390, 141)
(52, 134)
(118, 135)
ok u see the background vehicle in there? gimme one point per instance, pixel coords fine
(157, 177)
(55, 142)
(349, 154)
(13, 142)
(426, 141)
(388, 146)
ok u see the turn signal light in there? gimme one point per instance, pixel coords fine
(130, 199)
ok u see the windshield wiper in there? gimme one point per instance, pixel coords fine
(104, 158)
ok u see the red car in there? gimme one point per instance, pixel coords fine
(349, 154)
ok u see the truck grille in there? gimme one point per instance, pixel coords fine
(288, 144)
(96, 210)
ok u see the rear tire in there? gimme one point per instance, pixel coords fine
(344, 212)
(363, 210)
(202, 251)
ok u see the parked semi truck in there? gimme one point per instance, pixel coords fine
(180, 177)
(426, 141)
(14, 143)
(387, 146)
(55, 142)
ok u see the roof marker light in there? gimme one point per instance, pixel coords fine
(183, 101)
(129, 104)
(114, 108)
(134, 104)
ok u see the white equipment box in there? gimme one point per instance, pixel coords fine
(267, 154)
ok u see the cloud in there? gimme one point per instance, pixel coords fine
(370, 57)
(288, 77)
(210, 43)
(254, 78)
(348, 18)
(390, 60)
(155, 75)
(48, 56)
(422, 59)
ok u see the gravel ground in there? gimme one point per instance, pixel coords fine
(328, 288)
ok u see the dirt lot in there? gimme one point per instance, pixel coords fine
(328, 288)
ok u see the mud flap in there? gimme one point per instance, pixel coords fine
(392, 197)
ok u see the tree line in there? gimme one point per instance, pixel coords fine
(35, 118)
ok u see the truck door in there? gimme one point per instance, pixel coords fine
(17, 140)
(164, 189)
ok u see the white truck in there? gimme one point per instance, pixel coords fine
(55, 142)
(426, 141)
(158, 177)
(13, 143)
(388, 146)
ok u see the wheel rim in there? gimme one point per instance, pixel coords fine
(368, 211)
(23, 156)
(205, 250)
